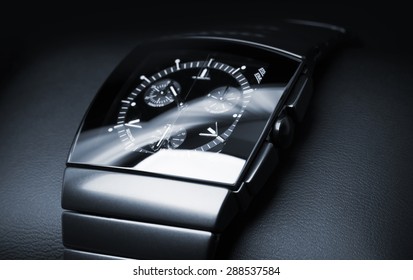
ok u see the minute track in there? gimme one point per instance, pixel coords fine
(178, 95)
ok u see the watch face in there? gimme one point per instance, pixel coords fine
(190, 108)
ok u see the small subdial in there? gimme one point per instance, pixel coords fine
(162, 93)
(168, 138)
(222, 99)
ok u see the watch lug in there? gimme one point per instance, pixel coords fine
(243, 196)
(265, 162)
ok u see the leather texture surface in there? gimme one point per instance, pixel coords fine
(343, 191)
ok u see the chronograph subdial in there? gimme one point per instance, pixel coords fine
(169, 137)
(222, 99)
(162, 93)
(206, 98)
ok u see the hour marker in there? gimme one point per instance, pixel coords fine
(110, 129)
(243, 67)
(143, 78)
(125, 101)
(177, 61)
(235, 71)
(133, 104)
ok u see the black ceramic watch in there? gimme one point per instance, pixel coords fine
(182, 135)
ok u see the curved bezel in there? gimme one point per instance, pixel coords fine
(154, 71)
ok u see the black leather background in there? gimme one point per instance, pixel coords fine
(343, 191)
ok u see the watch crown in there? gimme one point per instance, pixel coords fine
(282, 133)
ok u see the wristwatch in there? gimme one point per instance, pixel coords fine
(181, 137)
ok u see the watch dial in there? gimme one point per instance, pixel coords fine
(207, 103)
(197, 109)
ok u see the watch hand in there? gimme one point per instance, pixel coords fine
(132, 123)
(212, 132)
(163, 136)
(173, 90)
(202, 75)
(155, 88)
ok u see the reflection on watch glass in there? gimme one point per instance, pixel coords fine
(197, 110)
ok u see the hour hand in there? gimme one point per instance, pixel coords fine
(212, 132)
(133, 123)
